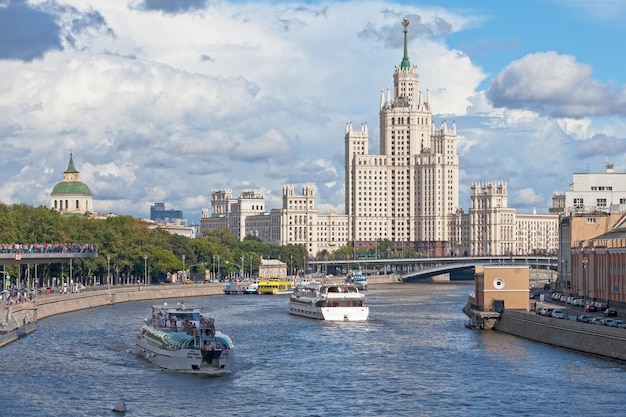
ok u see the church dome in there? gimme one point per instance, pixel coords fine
(71, 187)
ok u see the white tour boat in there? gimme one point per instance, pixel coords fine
(342, 302)
(181, 338)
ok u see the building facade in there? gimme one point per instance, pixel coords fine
(233, 212)
(409, 192)
(71, 196)
(158, 213)
(297, 222)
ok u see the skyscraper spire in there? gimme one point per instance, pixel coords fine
(406, 64)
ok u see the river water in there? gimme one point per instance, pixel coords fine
(414, 357)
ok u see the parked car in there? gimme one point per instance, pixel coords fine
(597, 320)
(606, 322)
(585, 318)
(590, 308)
(558, 314)
(618, 323)
(610, 312)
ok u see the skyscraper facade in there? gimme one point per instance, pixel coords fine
(408, 193)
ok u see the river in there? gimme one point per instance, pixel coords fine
(414, 357)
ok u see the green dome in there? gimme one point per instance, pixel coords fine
(71, 187)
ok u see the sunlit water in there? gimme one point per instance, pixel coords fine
(414, 357)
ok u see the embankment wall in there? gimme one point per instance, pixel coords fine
(604, 341)
(51, 305)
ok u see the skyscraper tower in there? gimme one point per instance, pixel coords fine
(409, 193)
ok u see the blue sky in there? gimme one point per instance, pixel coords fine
(163, 101)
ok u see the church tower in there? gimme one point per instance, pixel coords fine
(71, 196)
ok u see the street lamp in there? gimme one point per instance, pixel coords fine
(108, 272)
(585, 278)
(145, 269)
(291, 264)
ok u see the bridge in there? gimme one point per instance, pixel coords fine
(46, 253)
(420, 269)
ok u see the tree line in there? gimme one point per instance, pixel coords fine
(126, 245)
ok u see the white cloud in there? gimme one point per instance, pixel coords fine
(554, 85)
(167, 106)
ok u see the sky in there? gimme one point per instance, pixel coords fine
(166, 101)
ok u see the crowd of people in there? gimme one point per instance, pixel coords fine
(49, 248)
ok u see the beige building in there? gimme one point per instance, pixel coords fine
(272, 268)
(492, 228)
(502, 286)
(297, 222)
(409, 192)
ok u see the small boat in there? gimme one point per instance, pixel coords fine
(276, 286)
(252, 289)
(339, 302)
(357, 278)
(182, 338)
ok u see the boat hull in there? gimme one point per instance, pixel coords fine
(330, 313)
(193, 361)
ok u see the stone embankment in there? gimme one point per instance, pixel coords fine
(604, 341)
(21, 318)
(51, 305)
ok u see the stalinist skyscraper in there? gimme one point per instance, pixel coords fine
(409, 193)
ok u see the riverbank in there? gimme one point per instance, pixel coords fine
(21, 319)
(609, 342)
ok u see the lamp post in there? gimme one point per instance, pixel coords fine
(145, 270)
(291, 264)
(250, 266)
(218, 267)
(108, 272)
(184, 268)
(213, 268)
(242, 271)
(585, 278)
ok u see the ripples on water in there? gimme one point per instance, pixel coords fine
(414, 357)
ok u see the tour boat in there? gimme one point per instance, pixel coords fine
(276, 286)
(339, 302)
(181, 338)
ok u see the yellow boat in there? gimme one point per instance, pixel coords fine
(276, 286)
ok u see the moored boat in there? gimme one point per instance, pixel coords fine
(252, 289)
(276, 286)
(339, 302)
(181, 338)
(357, 278)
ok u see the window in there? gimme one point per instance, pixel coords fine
(578, 203)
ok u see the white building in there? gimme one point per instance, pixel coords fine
(590, 192)
(409, 193)
(71, 196)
